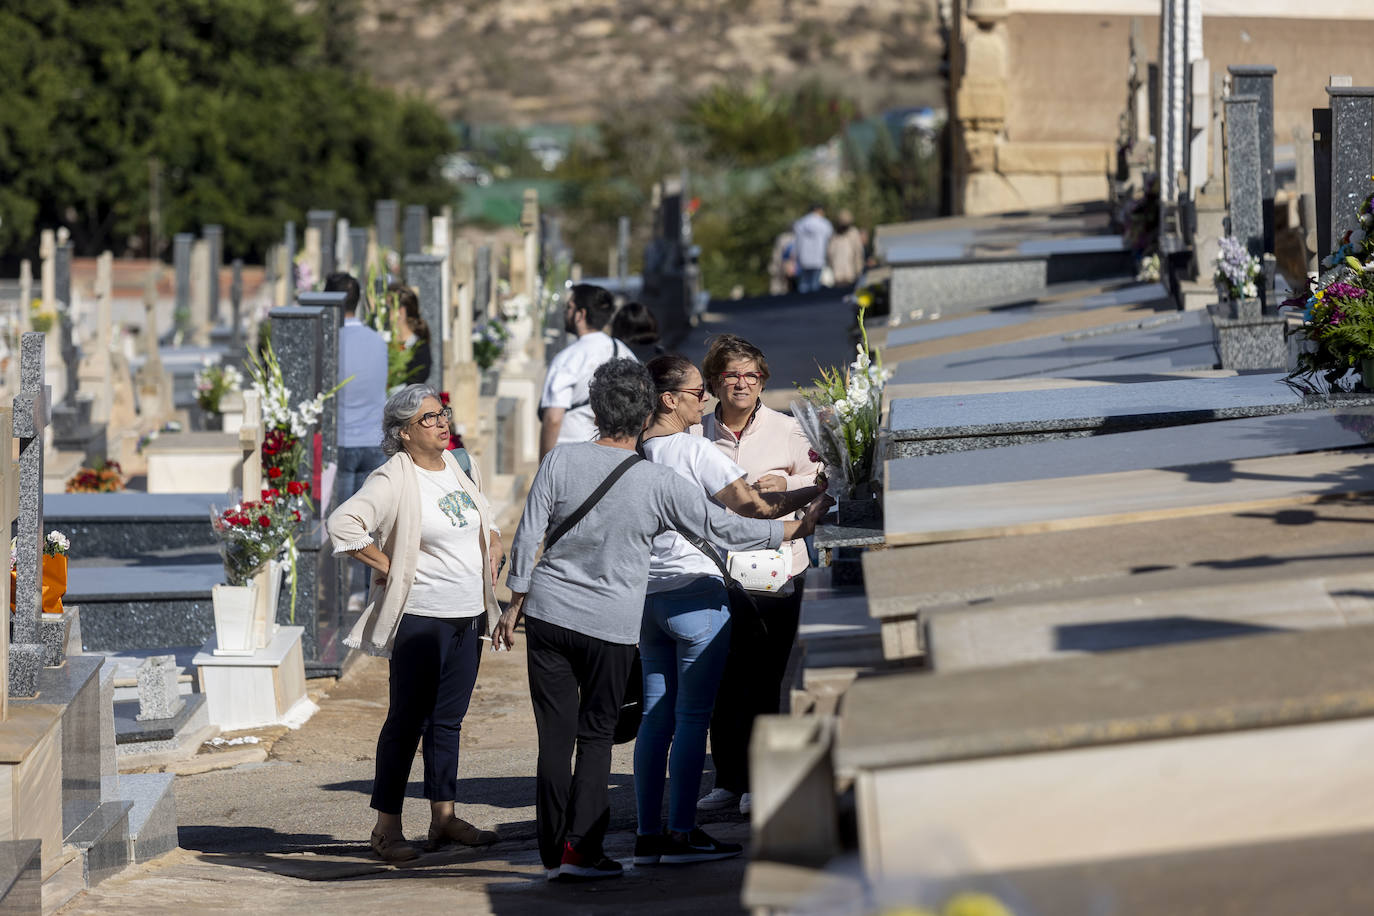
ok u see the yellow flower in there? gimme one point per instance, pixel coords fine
(971, 904)
(864, 299)
(1321, 293)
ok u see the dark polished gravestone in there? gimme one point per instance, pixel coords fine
(932, 426)
(1180, 447)
(130, 523)
(1164, 342)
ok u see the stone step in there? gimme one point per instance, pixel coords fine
(130, 524)
(21, 879)
(102, 840)
(153, 817)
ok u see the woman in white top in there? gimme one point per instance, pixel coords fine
(685, 633)
(432, 600)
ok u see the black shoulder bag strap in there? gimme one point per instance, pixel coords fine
(567, 523)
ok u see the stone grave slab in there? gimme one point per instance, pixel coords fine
(1091, 501)
(121, 524)
(192, 462)
(1165, 342)
(1058, 298)
(132, 607)
(935, 425)
(1035, 629)
(1162, 448)
(1141, 752)
(74, 691)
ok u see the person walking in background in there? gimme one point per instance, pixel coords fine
(436, 555)
(773, 451)
(362, 356)
(813, 232)
(584, 598)
(782, 264)
(846, 250)
(414, 333)
(685, 635)
(565, 413)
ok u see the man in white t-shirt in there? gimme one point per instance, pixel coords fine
(565, 413)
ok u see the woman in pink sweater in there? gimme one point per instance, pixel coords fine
(774, 454)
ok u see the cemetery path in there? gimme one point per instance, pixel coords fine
(291, 832)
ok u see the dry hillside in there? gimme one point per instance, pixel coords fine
(528, 61)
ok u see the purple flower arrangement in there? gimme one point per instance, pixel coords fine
(1237, 270)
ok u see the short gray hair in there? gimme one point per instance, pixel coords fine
(622, 396)
(400, 411)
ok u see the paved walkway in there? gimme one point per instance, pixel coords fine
(290, 833)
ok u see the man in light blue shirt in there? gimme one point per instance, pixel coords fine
(813, 233)
(362, 355)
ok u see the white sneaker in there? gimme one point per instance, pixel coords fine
(717, 800)
(746, 803)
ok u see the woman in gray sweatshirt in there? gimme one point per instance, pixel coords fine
(584, 599)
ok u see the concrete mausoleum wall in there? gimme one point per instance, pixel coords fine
(1038, 86)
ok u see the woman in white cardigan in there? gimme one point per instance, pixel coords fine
(425, 528)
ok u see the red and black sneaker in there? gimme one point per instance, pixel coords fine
(579, 867)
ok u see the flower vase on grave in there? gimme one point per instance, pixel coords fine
(1367, 373)
(268, 582)
(234, 611)
(54, 583)
(1232, 308)
(861, 508)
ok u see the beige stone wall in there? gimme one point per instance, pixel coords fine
(1066, 87)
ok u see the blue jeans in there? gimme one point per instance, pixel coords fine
(684, 640)
(355, 463)
(808, 279)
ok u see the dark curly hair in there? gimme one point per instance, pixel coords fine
(622, 396)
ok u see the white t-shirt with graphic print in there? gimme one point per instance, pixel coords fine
(448, 573)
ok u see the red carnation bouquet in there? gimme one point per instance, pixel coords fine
(251, 532)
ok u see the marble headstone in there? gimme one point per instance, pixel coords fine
(214, 241)
(158, 697)
(416, 218)
(181, 265)
(1245, 190)
(1352, 155)
(332, 305)
(384, 216)
(425, 273)
(1258, 81)
(357, 249)
(30, 414)
(289, 243)
(323, 220)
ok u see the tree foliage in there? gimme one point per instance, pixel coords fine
(242, 108)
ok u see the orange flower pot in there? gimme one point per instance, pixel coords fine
(54, 583)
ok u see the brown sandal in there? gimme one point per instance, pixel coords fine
(460, 831)
(393, 849)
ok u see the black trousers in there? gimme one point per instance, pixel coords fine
(577, 683)
(434, 665)
(752, 684)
